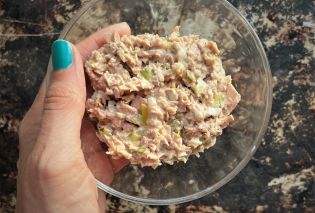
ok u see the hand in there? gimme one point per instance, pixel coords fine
(60, 155)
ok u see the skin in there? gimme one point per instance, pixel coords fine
(60, 155)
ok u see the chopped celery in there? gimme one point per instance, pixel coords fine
(135, 137)
(146, 74)
(218, 99)
(105, 131)
(167, 45)
(142, 149)
(89, 62)
(144, 113)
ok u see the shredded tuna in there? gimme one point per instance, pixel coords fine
(159, 99)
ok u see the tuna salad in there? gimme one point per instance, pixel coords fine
(159, 99)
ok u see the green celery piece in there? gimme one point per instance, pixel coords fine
(105, 131)
(146, 74)
(142, 149)
(135, 137)
(144, 113)
(89, 62)
(218, 100)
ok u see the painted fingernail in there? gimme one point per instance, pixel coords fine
(62, 56)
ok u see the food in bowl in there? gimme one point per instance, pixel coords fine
(159, 99)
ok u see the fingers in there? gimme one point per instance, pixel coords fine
(95, 156)
(59, 107)
(64, 104)
(101, 199)
(95, 41)
(85, 47)
(92, 149)
(119, 164)
(102, 166)
(98, 39)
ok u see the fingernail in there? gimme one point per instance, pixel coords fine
(62, 56)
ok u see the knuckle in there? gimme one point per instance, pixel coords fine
(63, 96)
(48, 167)
(43, 167)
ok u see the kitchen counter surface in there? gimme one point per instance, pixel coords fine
(281, 175)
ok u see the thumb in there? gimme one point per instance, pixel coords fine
(65, 99)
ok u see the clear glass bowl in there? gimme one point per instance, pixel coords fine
(244, 59)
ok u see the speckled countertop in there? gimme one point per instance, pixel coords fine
(281, 175)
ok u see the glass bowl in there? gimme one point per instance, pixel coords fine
(243, 58)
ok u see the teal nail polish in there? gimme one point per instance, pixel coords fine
(62, 56)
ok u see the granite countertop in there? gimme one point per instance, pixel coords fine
(281, 175)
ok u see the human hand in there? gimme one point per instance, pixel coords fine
(60, 155)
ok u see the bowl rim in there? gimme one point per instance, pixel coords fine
(241, 164)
